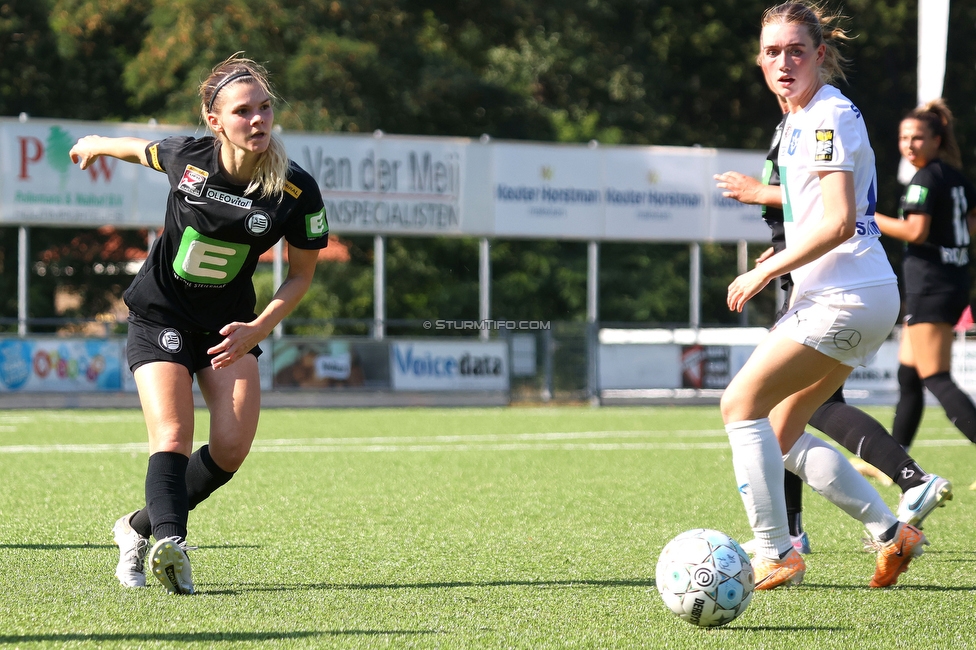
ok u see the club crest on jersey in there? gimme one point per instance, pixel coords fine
(257, 223)
(794, 140)
(193, 180)
(825, 145)
(170, 340)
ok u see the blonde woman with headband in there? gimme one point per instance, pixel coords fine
(233, 195)
(844, 305)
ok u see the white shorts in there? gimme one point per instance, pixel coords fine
(847, 326)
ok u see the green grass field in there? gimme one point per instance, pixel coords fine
(451, 528)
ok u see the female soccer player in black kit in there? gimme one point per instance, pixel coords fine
(936, 216)
(857, 431)
(233, 195)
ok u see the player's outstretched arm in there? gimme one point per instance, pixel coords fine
(87, 150)
(747, 189)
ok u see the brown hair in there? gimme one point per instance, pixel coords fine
(937, 118)
(821, 26)
(271, 170)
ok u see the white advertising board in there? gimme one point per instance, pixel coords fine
(632, 366)
(40, 185)
(729, 219)
(656, 193)
(454, 365)
(547, 191)
(385, 185)
(405, 185)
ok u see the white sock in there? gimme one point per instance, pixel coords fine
(828, 472)
(758, 464)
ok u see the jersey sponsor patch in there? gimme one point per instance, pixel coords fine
(293, 189)
(258, 223)
(916, 194)
(229, 199)
(193, 180)
(825, 145)
(154, 157)
(316, 224)
(207, 261)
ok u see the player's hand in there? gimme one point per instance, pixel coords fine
(86, 151)
(745, 287)
(239, 339)
(766, 254)
(740, 187)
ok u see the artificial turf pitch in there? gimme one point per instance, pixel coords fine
(450, 528)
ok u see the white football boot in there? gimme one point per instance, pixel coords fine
(171, 566)
(918, 502)
(131, 570)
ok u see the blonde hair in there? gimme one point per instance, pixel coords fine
(821, 26)
(938, 119)
(271, 171)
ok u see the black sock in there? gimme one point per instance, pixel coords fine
(889, 534)
(203, 476)
(166, 498)
(911, 404)
(957, 404)
(793, 486)
(864, 437)
(909, 475)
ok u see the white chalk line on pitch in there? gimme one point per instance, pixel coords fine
(551, 441)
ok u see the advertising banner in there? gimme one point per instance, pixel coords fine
(405, 185)
(60, 365)
(547, 191)
(454, 365)
(656, 193)
(386, 185)
(730, 220)
(40, 185)
(331, 363)
(636, 366)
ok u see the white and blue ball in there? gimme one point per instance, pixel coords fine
(705, 577)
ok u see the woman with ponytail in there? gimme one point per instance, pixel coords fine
(842, 308)
(936, 215)
(233, 195)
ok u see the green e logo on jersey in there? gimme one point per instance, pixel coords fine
(208, 261)
(916, 194)
(316, 225)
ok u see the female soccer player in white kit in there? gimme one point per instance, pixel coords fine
(845, 303)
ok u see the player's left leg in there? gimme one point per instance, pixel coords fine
(233, 396)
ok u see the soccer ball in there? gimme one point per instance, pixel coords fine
(705, 577)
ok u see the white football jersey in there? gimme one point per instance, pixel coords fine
(828, 134)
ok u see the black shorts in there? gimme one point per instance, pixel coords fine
(942, 307)
(149, 341)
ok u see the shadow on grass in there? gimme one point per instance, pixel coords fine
(783, 628)
(197, 637)
(898, 587)
(88, 546)
(326, 586)
(56, 547)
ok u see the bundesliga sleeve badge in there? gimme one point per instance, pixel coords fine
(825, 145)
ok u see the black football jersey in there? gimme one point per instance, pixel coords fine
(198, 274)
(941, 262)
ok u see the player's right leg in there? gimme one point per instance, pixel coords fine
(867, 439)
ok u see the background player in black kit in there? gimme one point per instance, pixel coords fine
(936, 217)
(192, 306)
(857, 431)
